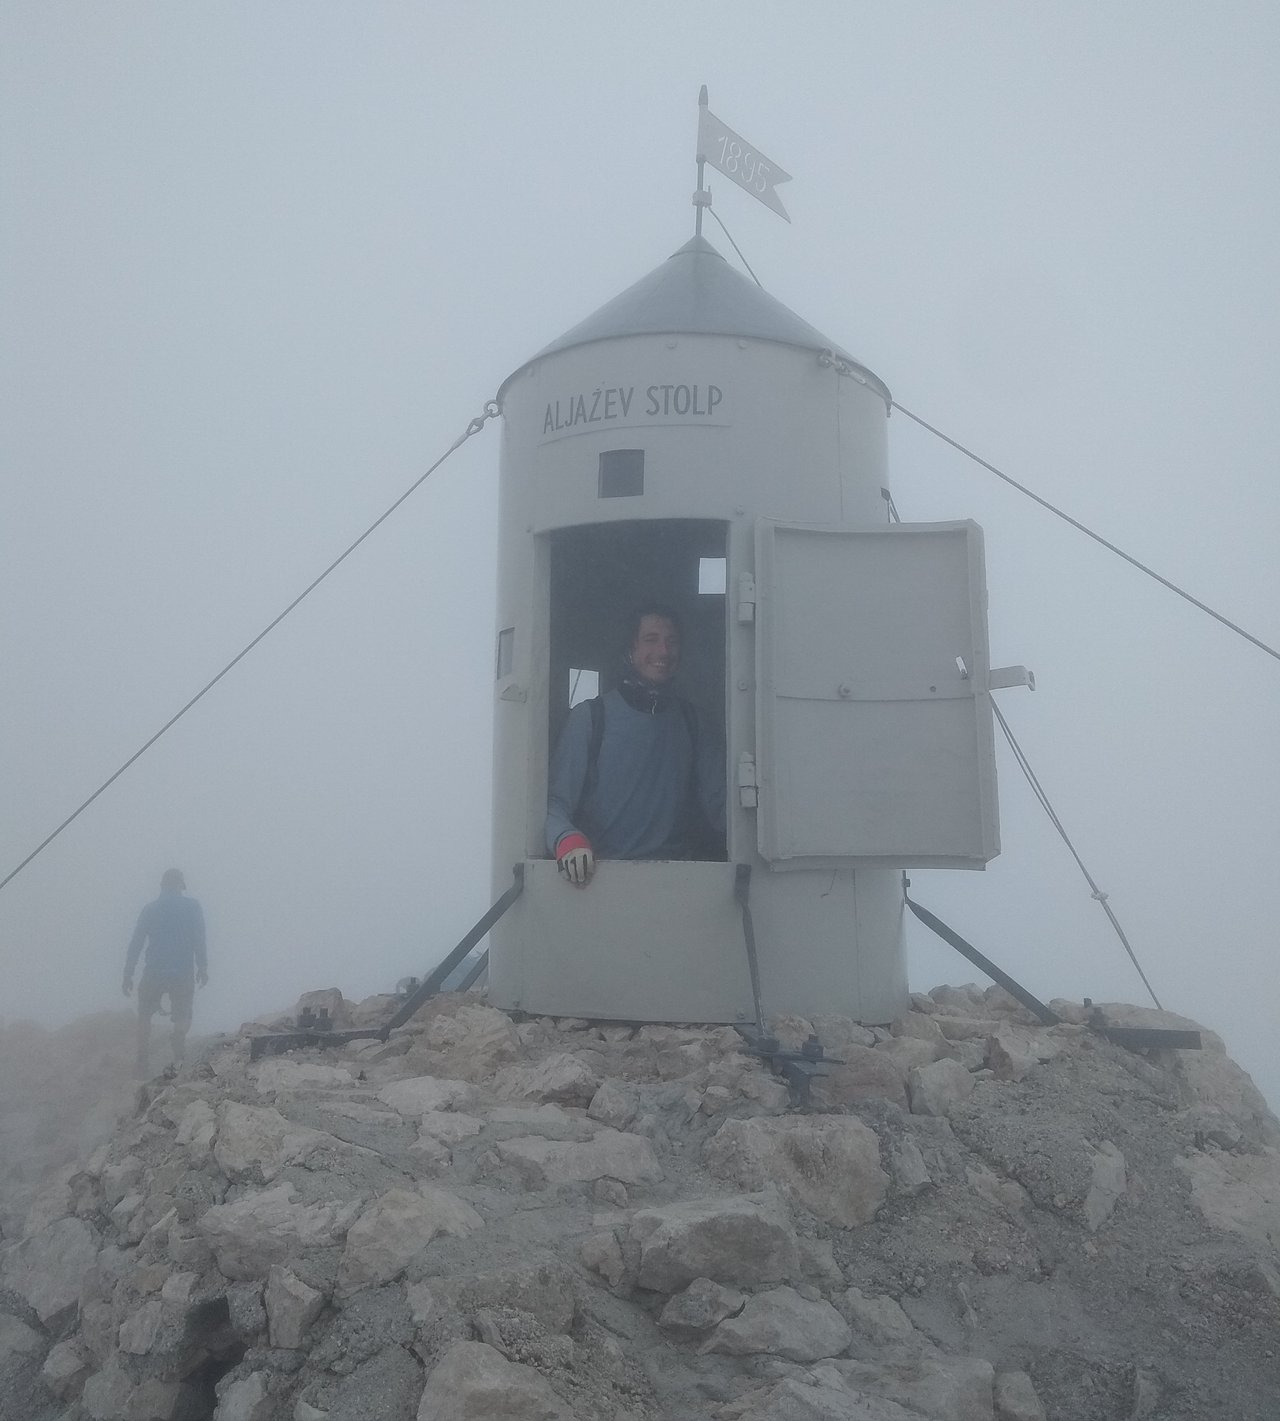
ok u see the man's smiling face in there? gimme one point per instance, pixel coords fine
(655, 653)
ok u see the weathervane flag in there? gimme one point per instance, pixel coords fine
(732, 155)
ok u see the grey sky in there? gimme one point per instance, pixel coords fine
(262, 263)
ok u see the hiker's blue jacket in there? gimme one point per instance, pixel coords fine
(659, 772)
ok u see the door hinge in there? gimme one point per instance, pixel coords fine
(746, 597)
(748, 789)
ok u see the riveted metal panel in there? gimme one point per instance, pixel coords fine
(874, 721)
(645, 942)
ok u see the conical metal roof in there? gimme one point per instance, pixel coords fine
(696, 292)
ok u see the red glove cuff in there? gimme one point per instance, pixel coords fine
(570, 841)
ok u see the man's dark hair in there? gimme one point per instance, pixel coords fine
(650, 609)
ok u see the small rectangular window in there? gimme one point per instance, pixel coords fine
(583, 685)
(621, 473)
(711, 574)
(506, 651)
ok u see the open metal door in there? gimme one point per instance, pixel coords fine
(873, 712)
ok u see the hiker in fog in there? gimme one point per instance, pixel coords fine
(172, 930)
(637, 773)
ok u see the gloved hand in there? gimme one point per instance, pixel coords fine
(575, 859)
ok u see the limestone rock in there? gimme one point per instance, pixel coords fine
(394, 1229)
(374, 1010)
(197, 1129)
(328, 999)
(967, 999)
(828, 1165)
(1239, 1193)
(1107, 1185)
(53, 1202)
(561, 1078)
(769, 1093)
(291, 1307)
(968, 1028)
(880, 1321)
(418, 1094)
(610, 1154)
(256, 1142)
(938, 1087)
(614, 1104)
(539, 1283)
(1007, 1193)
(1007, 1057)
(245, 1310)
(865, 1074)
(548, 1120)
(1210, 1126)
(177, 1289)
(784, 1324)
(837, 1033)
(739, 1239)
(1211, 1078)
(138, 1331)
(909, 1052)
(602, 1254)
(701, 1306)
(362, 1113)
(122, 1178)
(1016, 1399)
(106, 1394)
(449, 1127)
(276, 1073)
(17, 1339)
(475, 1382)
(475, 1039)
(819, 1396)
(45, 1270)
(158, 1399)
(942, 1388)
(910, 1173)
(66, 1367)
(433, 1157)
(1001, 1002)
(245, 1399)
(269, 1226)
(918, 1025)
(1012, 1051)
(818, 1263)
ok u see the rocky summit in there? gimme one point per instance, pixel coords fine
(965, 1217)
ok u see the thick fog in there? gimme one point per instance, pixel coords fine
(263, 263)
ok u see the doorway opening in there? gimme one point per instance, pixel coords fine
(600, 573)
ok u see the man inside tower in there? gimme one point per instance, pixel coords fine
(638, 773)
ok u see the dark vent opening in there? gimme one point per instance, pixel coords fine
(622, 473)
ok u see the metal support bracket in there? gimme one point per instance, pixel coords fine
(797, 1068)
(1001, 676)
(1132, 1038)
(313, 1031)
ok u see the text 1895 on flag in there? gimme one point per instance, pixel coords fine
(738, 160)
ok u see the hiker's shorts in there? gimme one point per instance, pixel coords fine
(181, 990)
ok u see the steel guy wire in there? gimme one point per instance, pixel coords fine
(1038, 790)
(491, 410)
(1075, 523)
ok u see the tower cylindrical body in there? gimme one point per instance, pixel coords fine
(639, 462)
